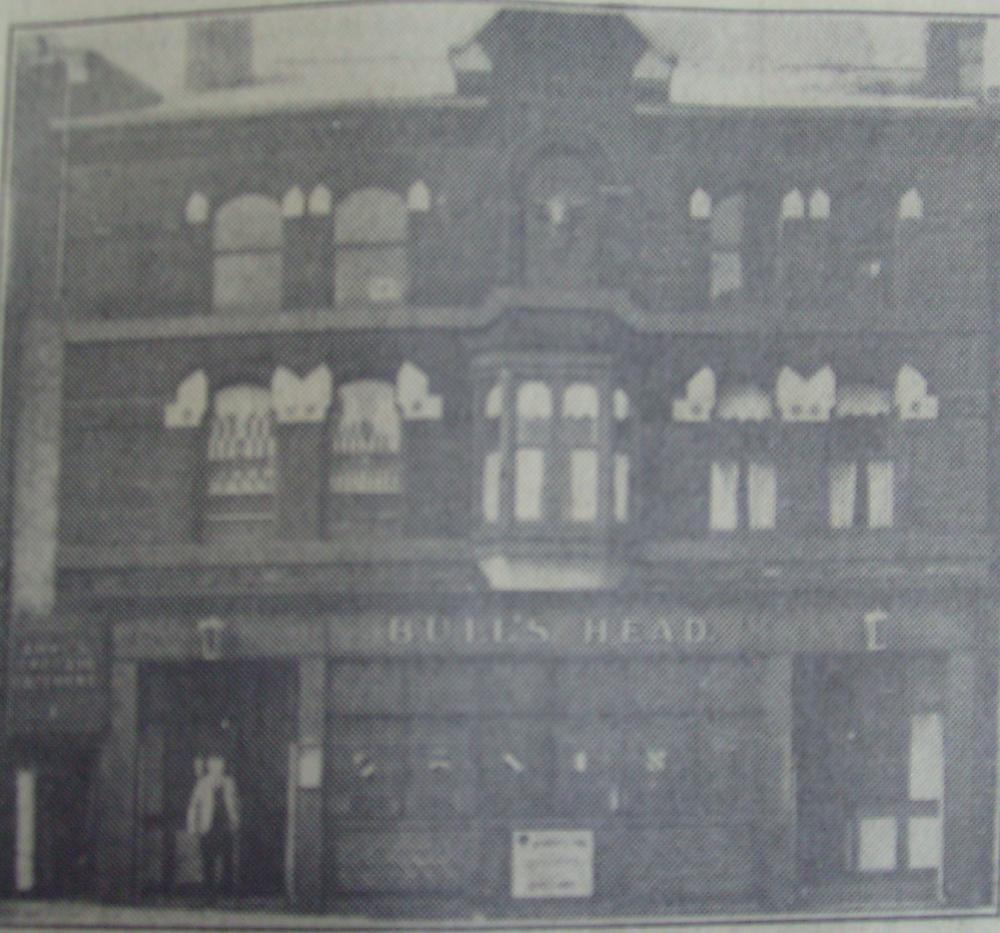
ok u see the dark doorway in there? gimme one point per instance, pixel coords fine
(242, 713)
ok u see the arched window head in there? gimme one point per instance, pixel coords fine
(793, 206)
(247, 239)
(534, 401)
(293, 204)
(819, 205)
(320, 201)
(197, 208)
(700, 206)
(366, 440)
(418, 198)
(241, 457)
(911, 206)
(370, 261)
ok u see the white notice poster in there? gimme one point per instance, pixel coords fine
(552, 863)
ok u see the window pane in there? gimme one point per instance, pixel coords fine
(583, 486)
(621, 481)
(529, 484)
(369, 274)
(247, 280)
(843, 488)
(924, 842)
(926, 757)
(880, 494)
(241, 445)
(368, 766)
(517, 767)
(877, 844)
(723, 496)
(442, 773)
(762, 494)
(727, 273)
(491, 486)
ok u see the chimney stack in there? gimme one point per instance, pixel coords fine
(955, 58)
(219, 53)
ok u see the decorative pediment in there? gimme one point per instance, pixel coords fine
(697, 404)
(301, 400)
(858, 400)
(189, 404)
(912, 399)
(413, 395)
(806, 399)
(744, 403)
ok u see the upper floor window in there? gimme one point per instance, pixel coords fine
(533, 437)
(247, 242)
(863, 245)
(370, 251)
(911, 206)
(862, 494)
(580, 429)
(241, 462)
(366, 469)
(560, 223)
(727, 240)
(742, 494)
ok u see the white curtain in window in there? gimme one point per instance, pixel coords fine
(247, 239)
(880, 494)
(621, 484)
(723, 503)
(366, 440)
(241, 446)
(491, 486)
(370, 261)
(762, 494)
(843, 489)
(529, 483)
(926, 757)
(583, 485)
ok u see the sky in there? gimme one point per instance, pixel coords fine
(154, 48)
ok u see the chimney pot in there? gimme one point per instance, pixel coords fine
(219, 53)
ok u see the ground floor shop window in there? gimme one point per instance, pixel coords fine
(870, 748)
(432, 765)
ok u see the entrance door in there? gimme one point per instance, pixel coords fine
(871, 773)
(242, 713)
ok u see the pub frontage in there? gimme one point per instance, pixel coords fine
(570, 756)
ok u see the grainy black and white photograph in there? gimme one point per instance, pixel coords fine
(472, 465)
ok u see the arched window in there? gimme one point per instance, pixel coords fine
(370, 256)
(560, 223)
(247, 241)
(622, 468)
(727, 232)
(241, 454)
(580, 409)
(366, 469)
(863, 242)
(533, 437)
(492, 453)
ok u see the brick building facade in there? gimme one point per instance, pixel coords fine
(555, 460)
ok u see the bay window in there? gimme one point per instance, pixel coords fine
(554, 453)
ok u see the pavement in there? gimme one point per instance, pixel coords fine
(24, 915)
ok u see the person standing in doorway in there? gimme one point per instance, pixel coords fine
(213, 817)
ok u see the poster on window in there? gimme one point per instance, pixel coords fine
(552, 863)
